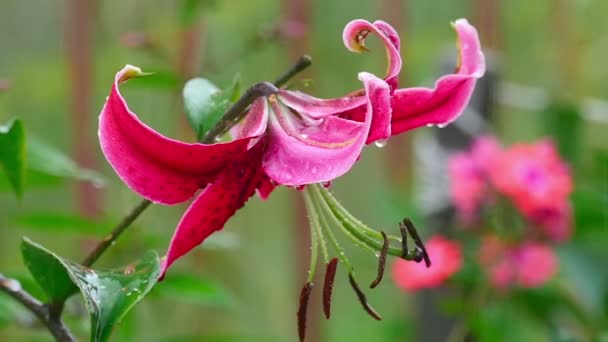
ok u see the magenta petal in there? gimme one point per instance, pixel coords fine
(255, 122)
(415, 107)
(299, 154)
(216, 204)
(318, 108)
(357, 30)
(158, 168)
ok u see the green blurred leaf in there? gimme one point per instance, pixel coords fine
(193, 290)
(192, 9)
(12, 154)
(205, 103)
(48, 270)
(44, 158)
(59, 222)
(108, 294)
(563, 121)
(158, 80)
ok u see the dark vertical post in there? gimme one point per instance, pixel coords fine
(79, 24)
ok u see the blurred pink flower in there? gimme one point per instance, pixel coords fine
(446, 259)
(468, 176)
(528, 265)
(539, 182)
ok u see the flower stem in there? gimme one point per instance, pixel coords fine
(41, 311)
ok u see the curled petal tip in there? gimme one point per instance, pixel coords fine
(131, 71)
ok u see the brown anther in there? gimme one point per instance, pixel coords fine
(361, 296)
(328, 285)
(414, 233)
(304, 296)
(381, 261)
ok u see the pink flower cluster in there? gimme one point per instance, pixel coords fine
(537, 183)
(528, 265)
(532, 176)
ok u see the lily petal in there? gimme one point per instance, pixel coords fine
(160, 169)
(354, 36)
(303, 154)
(415, 107)
(216, 204)
(317, 108)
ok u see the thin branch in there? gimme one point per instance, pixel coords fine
(116, 232)
(12, 288)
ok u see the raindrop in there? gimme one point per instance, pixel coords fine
(380, 143)
(304, 136)
(441, 125)
(326, 184)
(218, 139)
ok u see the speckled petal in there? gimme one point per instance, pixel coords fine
(303, 153)
(216, 204)
(415, 107)
(160, 169)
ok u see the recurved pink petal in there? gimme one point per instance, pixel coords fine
(303, 153)
(415, 107)
(354, 36)
(255, 122)
(318, 108)
(158, 168)
(216, 204)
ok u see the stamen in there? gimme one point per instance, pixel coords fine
(362, 299)
(404, 247)
(304, 297)
(381, 261)
(328, 286)
(414, 233)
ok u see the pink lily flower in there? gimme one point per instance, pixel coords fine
(288, 138)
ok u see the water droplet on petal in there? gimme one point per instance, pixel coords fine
(380, 143)
(304, 136)
(326, 184)
(441, 125)
(429, 125)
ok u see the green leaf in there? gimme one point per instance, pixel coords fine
(12, 154)
(48, 270)
(189, 289)
(205, 103)
(44, 158)
(108, 294)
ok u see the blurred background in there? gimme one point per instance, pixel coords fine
(546, 77)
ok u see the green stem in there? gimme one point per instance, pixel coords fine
(309, 195)
(354, 228)
(313, 220)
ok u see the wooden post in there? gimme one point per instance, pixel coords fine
(79, 24)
